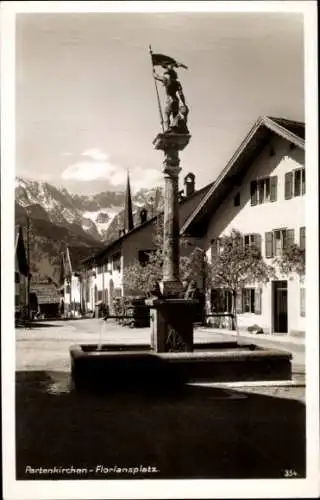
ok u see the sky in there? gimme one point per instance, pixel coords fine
(86, 107)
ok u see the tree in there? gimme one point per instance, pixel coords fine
(237, 265)
(195, 265)
(145, 277)
(292, 260)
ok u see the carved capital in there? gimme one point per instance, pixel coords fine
(168, 141)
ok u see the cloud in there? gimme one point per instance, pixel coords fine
(145, 177)
(89, 171)
(97, 165)
(112, 174)
(95, 154)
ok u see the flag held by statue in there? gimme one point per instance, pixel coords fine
(165, 61)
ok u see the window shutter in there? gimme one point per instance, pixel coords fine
(302, 238)
(302, 302)
(257, 241)
(239, 302)
(288, 186)
(253, 192)
(290, 238)
(303, 181)
(269, 245)
(273, 188)
(257, 301)
(214, 248)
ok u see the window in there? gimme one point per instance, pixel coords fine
(236, 200)
(116, 262)
(302, 238)
(221, 300)
(263, 190)
(108, 265)
(249, 301)
(299, 182)
(252, 239)
(278, 240)
(302, 302)
(295, 183)
(144, 256)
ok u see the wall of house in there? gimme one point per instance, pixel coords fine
(72, 295)
(263, 218)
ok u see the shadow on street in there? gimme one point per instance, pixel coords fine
(198, 432)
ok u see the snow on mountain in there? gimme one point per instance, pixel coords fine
(101, 218)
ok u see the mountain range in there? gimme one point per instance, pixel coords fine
(58, 218)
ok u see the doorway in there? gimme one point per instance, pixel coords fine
(280, 306)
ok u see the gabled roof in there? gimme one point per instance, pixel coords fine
(258, 137)
(95, 258)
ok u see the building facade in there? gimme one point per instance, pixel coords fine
(102, 275)
(260, 193)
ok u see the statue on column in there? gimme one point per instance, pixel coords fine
(176, 110)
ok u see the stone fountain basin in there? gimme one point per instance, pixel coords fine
(113, 366)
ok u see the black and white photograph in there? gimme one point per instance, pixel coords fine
(159, 250)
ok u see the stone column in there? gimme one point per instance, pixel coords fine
(172, 315)
(171, 218)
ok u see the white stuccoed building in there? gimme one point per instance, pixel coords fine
(261, 193)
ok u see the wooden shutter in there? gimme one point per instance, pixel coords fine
(302, 302)
(253, 193)
(273, 188)
(257, 241)
(288, 185)
(269, 244)
(257, 301)
(239, 304)
(302, 238)
(214, 248)
(290, 238)
(303, 181)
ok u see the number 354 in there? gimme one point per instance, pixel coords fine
(290, 473)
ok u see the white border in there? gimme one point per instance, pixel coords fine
(34, 490)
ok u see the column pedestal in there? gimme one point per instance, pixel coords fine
(171, 324)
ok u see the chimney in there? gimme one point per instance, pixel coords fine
(143, 215)
(189, 184)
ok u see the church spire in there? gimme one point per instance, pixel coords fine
(128, 217)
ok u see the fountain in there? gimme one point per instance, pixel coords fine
(173, 358)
